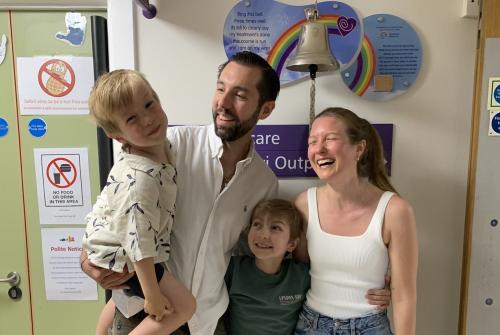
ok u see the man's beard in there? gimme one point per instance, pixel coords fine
(238, 130)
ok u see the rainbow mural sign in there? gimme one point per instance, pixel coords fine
(271, 29)
(389, 60)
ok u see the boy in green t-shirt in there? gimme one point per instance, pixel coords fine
(266, 291)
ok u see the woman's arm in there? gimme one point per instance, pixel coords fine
(400, 227)
(300, 253)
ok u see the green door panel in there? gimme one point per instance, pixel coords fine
(34, 35)
(12, 228)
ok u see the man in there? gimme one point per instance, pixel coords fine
(220, 179)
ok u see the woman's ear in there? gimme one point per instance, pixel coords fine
(360, 148)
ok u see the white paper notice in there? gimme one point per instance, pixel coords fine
(54, 85)
(63, 185)
(64, 280)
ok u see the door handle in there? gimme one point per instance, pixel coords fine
(13, 278)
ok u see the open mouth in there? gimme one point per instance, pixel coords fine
(263, 246)
(325, 162)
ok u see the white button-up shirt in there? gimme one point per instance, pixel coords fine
(209, 221)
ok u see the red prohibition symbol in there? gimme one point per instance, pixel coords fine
(61, 176)
(56, 78)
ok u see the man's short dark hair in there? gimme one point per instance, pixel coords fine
(269, 84)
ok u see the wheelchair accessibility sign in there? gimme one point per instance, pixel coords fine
(63, 185)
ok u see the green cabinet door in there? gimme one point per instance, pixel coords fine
(34, 34)
(15, 315)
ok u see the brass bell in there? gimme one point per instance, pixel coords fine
(313, 50)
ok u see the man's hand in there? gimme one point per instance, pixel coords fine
(105, 278)
(158, 306)
(380, 297)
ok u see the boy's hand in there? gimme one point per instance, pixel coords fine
(380, 297)
(158, 306)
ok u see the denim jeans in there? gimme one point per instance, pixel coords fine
(312, 323)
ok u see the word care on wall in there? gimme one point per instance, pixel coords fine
(284, 148)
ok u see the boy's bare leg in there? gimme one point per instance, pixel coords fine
(105, 319)
(183, 303)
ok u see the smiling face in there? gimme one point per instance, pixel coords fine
(269, 237)
(235, 105)
(143, 123)
(329, 149)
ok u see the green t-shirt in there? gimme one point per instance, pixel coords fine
(264, 304)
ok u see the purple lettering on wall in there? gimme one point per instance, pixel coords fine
(284, 148)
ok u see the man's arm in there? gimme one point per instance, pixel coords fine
(105, 278)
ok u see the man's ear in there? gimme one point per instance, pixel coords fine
(292, 245)
(266, 109)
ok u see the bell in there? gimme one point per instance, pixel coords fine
(313, 50)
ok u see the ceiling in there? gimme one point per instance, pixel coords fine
(27, 4)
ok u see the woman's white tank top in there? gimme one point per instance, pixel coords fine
(343, 268)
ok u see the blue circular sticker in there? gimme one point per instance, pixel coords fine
(37, 127)
(496, 94)
(495, 123)
(4, 127)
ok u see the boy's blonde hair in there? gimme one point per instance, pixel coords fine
(112, 92)
(284, 210)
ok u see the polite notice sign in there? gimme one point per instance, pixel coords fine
(64, 280)
(63, 185)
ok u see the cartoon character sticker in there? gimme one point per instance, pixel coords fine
(56, 78)
(3, 48)
(75, 33)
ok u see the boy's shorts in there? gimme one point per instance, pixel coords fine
(135, 286)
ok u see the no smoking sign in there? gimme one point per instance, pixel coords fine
(62, 184)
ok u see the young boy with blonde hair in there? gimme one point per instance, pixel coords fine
(266, 290)
(130, 223)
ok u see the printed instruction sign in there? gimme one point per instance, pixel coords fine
(54, 85)
(494, 94)
(63, 185)
(64, 280)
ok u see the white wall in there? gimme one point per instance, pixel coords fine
(179, 52)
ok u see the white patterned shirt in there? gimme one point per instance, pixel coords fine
(132, 218)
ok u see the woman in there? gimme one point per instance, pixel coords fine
(356, 227)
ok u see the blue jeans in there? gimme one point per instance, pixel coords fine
(312, 323)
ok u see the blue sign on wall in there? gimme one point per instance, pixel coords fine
(495, 123)
(496, 94)
(37, 127)
(284, 148)
(4, 127)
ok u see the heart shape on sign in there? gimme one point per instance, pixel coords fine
(345, 25)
